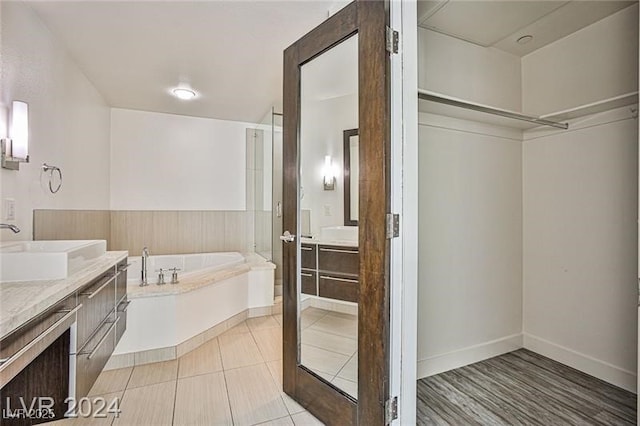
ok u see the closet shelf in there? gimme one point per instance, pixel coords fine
(595, 107)
(449, 106)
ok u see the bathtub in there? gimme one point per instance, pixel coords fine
(215, 291)
(189, 265)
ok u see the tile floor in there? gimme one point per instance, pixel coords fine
(329, 347)
(234, 379)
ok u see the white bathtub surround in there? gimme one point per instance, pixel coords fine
(164, 322)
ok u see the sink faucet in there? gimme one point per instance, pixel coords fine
(14, 228)
(145, 255)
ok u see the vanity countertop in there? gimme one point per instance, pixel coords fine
(20, 301)
(317, 241)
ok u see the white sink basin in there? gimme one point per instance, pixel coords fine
(46, 260)
(339, 233)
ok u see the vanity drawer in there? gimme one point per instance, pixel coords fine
(308, 252)
(308, 282)
(92, 358)
(98, 301)
(26, 343)
(338, 287)
(343, 260)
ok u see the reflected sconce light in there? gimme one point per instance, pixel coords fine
(15, 148)
(329, 173)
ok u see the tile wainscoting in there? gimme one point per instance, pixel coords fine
(164, 232)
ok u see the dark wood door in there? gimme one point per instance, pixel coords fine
(368, 19)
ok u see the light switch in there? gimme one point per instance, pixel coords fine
(9, 209)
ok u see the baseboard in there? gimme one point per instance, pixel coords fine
(602, 370)
(469, 355)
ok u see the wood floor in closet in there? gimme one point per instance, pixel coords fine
(521, 388)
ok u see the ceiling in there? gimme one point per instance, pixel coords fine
(229, 52)
(500, 24)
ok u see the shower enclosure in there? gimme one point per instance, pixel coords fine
(264, 182)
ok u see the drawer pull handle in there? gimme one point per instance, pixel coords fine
(126, 306)
(124, 268)
(101, 342)
(90, 295)
(304, 274)
(346, 280)
(339, 251)
(6, 362)
(306, 248)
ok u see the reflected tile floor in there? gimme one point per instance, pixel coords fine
(234, 379)
(329, 347)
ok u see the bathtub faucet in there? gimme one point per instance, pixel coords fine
(145, 256)
(13, 228)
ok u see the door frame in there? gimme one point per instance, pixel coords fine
(369, 19)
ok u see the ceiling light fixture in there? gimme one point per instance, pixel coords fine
(184, 94)
(524, 39)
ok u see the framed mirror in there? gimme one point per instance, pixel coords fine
(351, 176)
(335, 288)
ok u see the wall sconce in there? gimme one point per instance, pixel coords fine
(15, 148)
(329, 173)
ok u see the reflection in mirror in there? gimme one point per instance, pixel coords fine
(351, 175)
(328, 256)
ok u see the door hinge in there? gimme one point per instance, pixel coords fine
(393, 38)
(390, 410)
(393, 225)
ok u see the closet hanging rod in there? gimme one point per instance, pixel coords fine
(428, 96)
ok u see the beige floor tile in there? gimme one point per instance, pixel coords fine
(253, 395)
(260, 323)
(203, 360)
(239, 350)
(275, 368)
(111, 381)
(350, 370)
(269, 342)
(278, 318)
(148, 405)
(237, 329)
(322, 360)
(99, 413)
(330, 342)
(346, 385)
(310, 316)
(202, 400)
(334, 324)
(149, 374)
(283, 421)
(305, 419)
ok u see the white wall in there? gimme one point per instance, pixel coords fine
(580, 246)
(68, 120)
(593, 64)
(580, 203)
(323, 124)
(456, 68)
(470, 210)
(173, 162)
(470, 243)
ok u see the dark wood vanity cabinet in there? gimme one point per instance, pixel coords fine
(35, 365)
(36, 359)
(101, 323)
(308, 264)
(330, 271)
